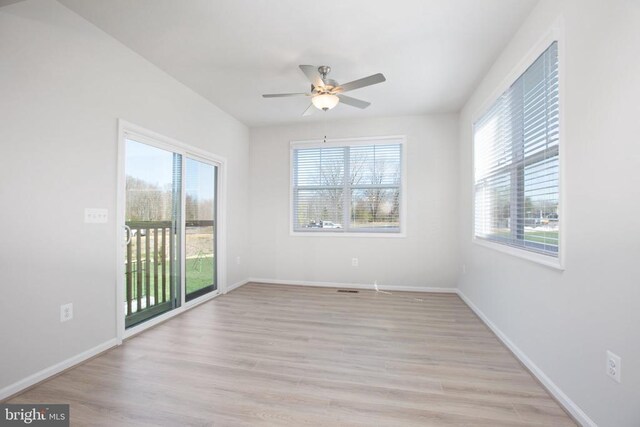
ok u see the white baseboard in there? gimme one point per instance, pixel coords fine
(368, 286)
(569, 405)
(236, 285)
(46, 373)
(49, 372)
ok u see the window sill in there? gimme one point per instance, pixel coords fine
(347, 234)
(547, 261)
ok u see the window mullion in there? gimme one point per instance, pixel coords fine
(346, 192)
(294, 198)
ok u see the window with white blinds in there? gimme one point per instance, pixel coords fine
(516, 161)
(342, 187)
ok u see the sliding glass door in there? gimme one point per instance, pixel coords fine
(170, 221)
(200, 228)
(153, 187)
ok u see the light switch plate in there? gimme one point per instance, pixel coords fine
(96, 215)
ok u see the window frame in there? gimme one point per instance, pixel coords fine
(351, 142)
(554, 34)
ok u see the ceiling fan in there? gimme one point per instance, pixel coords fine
(327, 93)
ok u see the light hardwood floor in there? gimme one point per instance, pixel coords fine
(297, 356)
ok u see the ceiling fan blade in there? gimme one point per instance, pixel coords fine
(358, 103)
(309, 110)
(311, 71)
(282, 95)
(357, 84)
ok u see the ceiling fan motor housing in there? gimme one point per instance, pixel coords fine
(324, 70)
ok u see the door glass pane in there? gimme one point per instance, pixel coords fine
(152, 214)
(200, 228)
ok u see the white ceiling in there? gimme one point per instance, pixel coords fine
(432, 52)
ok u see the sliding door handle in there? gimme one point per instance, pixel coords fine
(128, 230)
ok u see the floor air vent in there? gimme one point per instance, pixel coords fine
(348, 291)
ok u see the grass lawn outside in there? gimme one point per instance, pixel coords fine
(545, 237)
(549, 237)
(199, 271)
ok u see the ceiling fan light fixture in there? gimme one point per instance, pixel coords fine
(325, 101)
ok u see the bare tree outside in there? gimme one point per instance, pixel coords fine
(375, 183)
(147, 201)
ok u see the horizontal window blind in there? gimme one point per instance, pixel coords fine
(347, 188)
(516, 162)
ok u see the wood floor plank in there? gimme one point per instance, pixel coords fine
(275, 355)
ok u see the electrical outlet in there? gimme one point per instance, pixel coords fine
(354, 262)
(464, 268)
(237, 260)
(614, 366)
(96, 216)
(66, 312)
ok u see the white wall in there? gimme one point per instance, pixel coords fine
(565, 321)
(426, 257)
(63, 85)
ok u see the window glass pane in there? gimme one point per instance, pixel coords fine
(541, 205)
(319, 166)
(319, 209)
(375, 208)
(374, 164)
(493, 208)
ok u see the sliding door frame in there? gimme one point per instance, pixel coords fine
(216, 283)
(154, 139)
